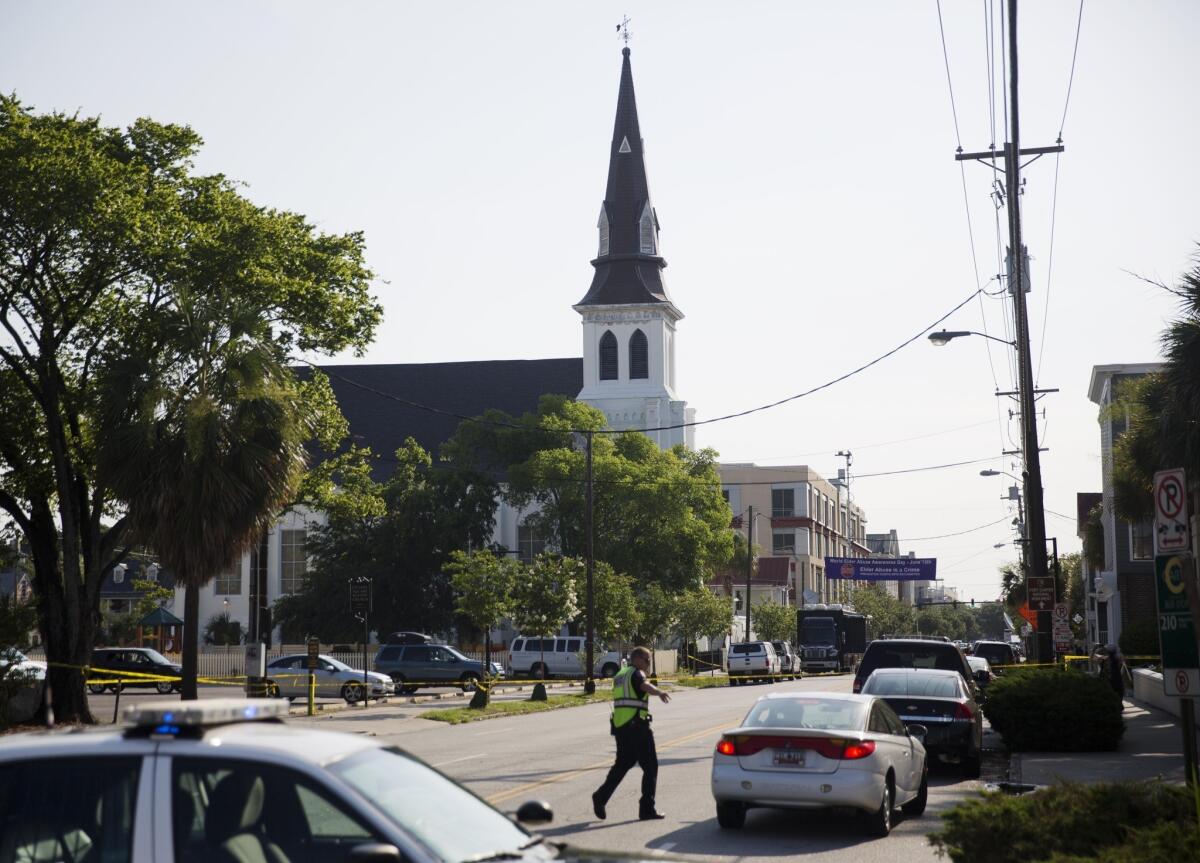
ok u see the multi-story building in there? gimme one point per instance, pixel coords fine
(888, 545)
(1124, 589)
(801, 518)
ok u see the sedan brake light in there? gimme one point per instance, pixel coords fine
(726, 746)
(859, 750)
(963, 712)
(857, 685)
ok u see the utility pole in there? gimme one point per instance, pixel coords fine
(589, 685)
(749, 561)
(1032, 473)
(849, 457)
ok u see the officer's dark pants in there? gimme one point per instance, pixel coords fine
(635, 745)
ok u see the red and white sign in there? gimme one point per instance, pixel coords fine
(1171, 533)
(1061, 611)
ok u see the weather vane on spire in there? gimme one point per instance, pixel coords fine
(623, 29)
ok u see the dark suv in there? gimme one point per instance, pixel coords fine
(913, 653)
(996, 653)
(416, 666)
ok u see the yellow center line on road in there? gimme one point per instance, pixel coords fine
(571, 774)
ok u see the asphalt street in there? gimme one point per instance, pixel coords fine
(561, 756)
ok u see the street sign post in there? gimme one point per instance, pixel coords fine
(314, 657)
(1063, 637)
(1176, 629)
(1041, 593)
(1170, 513)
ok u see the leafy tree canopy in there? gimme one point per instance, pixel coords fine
(659, 515)
(401, 533)
(127, 282)
(774, 622)
(889, 616)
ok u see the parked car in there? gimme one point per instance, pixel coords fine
(227, 779)
(412, 666)
(752, 661)
(996, 653)
(818, 749)
(912, 652)
(981, 669)
(14, 662)
(560, 656)
(287, 677)
(108, 664)
(789, 662)
(942, 703)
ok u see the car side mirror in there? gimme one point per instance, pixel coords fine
(535, 812)
(920, 732)
(373, 852)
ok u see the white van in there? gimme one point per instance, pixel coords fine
(562, 656)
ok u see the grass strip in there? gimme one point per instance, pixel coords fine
(459, 715)
(699, 682)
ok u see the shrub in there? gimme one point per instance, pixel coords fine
(1052, 710)
(1140, 637)
(1069, 821)
(1167, 842)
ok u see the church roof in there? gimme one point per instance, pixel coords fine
(468, 389)
(625, 272)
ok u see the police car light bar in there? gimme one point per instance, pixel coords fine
(200, 714)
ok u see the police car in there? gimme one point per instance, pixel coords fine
(227, 780)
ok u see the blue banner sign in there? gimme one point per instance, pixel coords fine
(882, 568)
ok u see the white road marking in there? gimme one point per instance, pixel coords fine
(456, 760)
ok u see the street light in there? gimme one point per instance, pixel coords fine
(944, 337)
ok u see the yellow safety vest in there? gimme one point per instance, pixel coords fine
(627, 703)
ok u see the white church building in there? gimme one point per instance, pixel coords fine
(627, 370)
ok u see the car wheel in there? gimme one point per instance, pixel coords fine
(97, 688)
(609, 670)
(352, 692)
(916, 806)
(469, 681)
(164, 687)
(731, 815)
(972, 765)
(881, 821)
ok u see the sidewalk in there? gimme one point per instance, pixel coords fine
(1152, 747)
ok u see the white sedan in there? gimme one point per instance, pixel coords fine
(821, 749)
(287, 677)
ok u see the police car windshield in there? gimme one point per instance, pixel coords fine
(447, 819)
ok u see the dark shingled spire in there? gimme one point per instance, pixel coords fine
(628, 271)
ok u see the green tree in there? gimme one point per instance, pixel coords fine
(399, 533)
(544, 595)
(221, 630)
(941, 620)
(617, 616)
(483, 586)
(889, 616)
(659, 515)
(991, 621)
(657, 613)
(700, 612)
(774, 622)
(109, 244)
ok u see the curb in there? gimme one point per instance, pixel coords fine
(337, 707)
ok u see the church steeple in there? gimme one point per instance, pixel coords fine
(628, 264)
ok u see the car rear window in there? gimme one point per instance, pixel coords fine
(829, 714)
(894, 656)
(518, 645)
(390, 653)
(999, 654)
(747, 648)
(917, 685)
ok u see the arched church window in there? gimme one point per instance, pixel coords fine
(608, 356)
(639, 355)
(648, 231)
(602, 226)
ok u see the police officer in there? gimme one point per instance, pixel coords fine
(635, 740)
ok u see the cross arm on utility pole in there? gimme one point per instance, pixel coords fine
(1000, 154)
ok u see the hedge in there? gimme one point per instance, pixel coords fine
(1054, 710)
(1124, 821)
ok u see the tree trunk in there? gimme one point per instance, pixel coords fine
(191, 638)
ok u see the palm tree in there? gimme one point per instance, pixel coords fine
(207, 448)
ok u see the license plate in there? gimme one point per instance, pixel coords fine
(789, 758)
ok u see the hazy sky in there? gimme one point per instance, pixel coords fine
(800, 158)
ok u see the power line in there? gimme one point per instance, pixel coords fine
(1071, 78)
(824, 450)
(949, 83)
(736, 415)
(958, 533)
